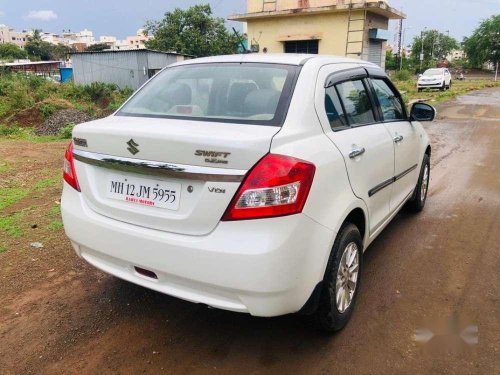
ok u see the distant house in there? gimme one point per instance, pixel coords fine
(125, 68)
(352, 28)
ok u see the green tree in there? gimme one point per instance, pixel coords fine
(10, 51)
(436, 47)
(193, 31)
(98, 47)
(61, 52)
(390, 61)
(483, 45)
(37, 48)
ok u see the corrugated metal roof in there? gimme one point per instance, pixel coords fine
(31, 63)
(142, 50)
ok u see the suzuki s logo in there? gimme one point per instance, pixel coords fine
(133, 147)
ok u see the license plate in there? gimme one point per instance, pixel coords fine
(145, 192)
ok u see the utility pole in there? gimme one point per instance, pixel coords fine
(400, 52)
(422, 43)
(434, 37)
(403, 44)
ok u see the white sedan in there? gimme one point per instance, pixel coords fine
(251, 183)
(436, 78)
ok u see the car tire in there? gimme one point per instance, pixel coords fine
(333, 312)
(417, 202)
(419, 89)
(443, 87)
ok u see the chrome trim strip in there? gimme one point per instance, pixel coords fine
(380, 186)
(390, 181)
(156, 168)
(402, 174)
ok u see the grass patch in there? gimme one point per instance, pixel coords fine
(28, 100)
(9, 196)
(12, 225)
(67, 131)
(55, 210)
(56, 225)
(408, 89)
(25, 134)
(48, 182)
(4, 167)
(3, 249)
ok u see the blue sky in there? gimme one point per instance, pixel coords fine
(124, 17)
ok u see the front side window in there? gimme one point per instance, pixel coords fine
(224, 92)
(334, 110)
(357, 104)
(390, 104)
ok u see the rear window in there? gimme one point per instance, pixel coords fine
(225, 92)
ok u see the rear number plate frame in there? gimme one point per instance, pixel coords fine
(144, 191)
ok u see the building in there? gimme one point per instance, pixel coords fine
(8, 35)
(80, 40)
(50, 37)
(85, 36)
(109, 40)
(137, 41)
(456, 55)
(128, 68)
(353, 28)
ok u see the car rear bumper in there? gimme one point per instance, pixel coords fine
(264, 267)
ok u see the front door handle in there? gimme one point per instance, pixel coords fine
(357, 152)
(398, 139)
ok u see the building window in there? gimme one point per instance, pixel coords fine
(302, 46)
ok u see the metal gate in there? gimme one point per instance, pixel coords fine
(375, 52)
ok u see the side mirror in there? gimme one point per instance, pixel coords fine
(422, 112)
(420, 75)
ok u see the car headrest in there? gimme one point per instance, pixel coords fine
(237, 94)
(178, 94)
(263, 101)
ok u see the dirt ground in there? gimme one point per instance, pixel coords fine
(437, 272)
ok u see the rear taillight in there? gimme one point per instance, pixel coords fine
(69, 168)
(276, 186)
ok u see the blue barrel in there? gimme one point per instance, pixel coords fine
(66, 74)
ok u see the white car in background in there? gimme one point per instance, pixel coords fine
(435, 78)
(251, 183)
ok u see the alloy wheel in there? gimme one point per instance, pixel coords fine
(347, 277)
(425, 184)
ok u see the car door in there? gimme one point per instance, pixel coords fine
(404, 135)
(447, 77)
(347, 113)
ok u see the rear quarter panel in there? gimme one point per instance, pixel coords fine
(331, 198)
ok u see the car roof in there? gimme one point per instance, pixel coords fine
(278, 58)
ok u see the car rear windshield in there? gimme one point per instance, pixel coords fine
(241, 93)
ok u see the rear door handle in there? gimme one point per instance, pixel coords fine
(398, 139)
(357, 152)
